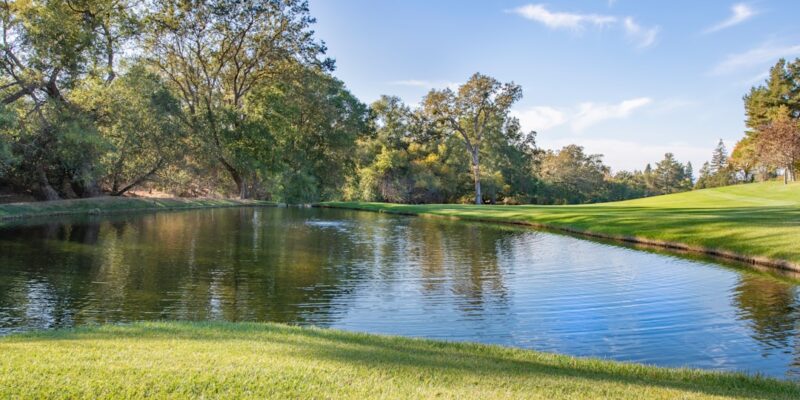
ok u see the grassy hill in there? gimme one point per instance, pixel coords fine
(757, 222)
(249, 360)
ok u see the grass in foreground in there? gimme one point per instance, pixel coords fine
(238, 360)
(756, 220)
(102, 205)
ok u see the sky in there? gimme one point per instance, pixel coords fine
(629, 79)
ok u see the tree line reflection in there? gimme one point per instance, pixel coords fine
(283, 265)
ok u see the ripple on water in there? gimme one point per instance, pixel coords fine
(399, 275)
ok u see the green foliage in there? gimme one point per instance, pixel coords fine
(477, 112)
(766, 105)
(139, 119)
(571, 176)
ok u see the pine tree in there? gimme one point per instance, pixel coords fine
(705, 174)
(719, 160)
(688, 174)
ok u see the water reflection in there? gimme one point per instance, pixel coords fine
(399, 275)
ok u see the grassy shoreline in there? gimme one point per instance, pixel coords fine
(111, 205)
(258, 360)
(754, 223)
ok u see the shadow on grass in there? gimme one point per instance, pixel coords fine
(390, 354)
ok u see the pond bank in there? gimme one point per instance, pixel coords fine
(755, 223)
(255, 360)
(112, 205)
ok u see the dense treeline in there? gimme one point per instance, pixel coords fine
(236, 98)
(194, 97)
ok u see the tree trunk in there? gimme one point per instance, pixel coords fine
(137, 182)
(241, 186)
(476, 173)
(46, 191)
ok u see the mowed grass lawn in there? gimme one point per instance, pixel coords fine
(754, 220)
(249, 360)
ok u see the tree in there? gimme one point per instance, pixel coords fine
(571, 176)
(669, 175)
(778, 144)
(213, 53)
(139, 119)
(777, 99)
(705, 176)
(744, 160)
(313, 122)
(480, 108)
(719, 159)
(48, 48)
(688, 174)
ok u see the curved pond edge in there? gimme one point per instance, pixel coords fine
(115, 205)
(783, 265)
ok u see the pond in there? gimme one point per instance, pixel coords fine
(380, 273)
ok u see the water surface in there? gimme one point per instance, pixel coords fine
(399, 275)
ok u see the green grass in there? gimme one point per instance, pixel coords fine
(758, 222)
(108, 205)
(249, 360)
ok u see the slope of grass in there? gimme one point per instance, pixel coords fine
(249, 360)
(107, 205)
(756, 222)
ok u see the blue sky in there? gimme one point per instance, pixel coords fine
(627, 79)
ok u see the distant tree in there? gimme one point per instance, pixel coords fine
(778, 144)
(777, 99)
(649, 180)
(719, 159)
(571, 176)
(669, 175)
(744, 161)
(479, 108)
(705, 175)
(688, 174)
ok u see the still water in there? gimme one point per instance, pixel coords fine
(399, 275)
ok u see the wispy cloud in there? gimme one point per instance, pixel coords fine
(577, 22)
(756, 57)
(643, 37)
(579, 118)
(540, 117)
(591, 113)
(562, 20)
(739, 13)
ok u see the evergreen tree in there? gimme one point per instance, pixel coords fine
(688, 174)
(719, 160)
(669, 175)
(705, 174)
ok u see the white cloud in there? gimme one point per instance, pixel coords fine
(539, 118)
(579, 118)
(592, 113)
(757, 57)
(740, 12)
(642, 36)
(557, 20)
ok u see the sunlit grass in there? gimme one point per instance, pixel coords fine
(756, 220)
(249, 360)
